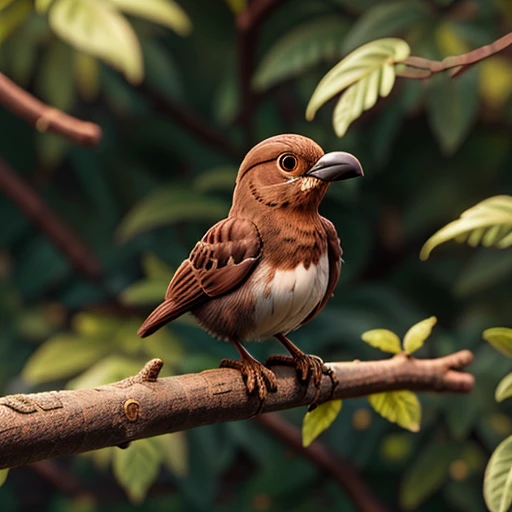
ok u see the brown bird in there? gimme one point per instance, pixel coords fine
(271, 265)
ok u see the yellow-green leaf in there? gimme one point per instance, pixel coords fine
(96, 325)
(318, 420)
(167, 206)
(500, 338)
(62, 356)
(87, 75)
(145, 292)
(417, 334)
(498, 478)
(155, 268)
(218, 178)
(365, 71)
(96, 28)
(106, 371)
(504, 388)
(5, 3)
(13, 16)
(137, 467)
(401, 407)
(3, 476)
(163, 12)
(478, 225)
(42, 5)
(174, 448)
(383, 339)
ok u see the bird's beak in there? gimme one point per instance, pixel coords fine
(336, 166)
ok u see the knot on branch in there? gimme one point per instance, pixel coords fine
(151, 371)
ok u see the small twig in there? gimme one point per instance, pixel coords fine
(191, 122)
(45, 118)
(248, 24)
(62, 479)
(341, 471)
(44, 425)
(41, 215)
(419, 67)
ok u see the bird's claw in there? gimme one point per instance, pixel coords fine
(309, 367)
(257, 378)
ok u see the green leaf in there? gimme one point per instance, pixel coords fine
(383, 339)
(56, 89)
(62, 356)
(174, 448)
(155, 268)
(500, 338)
(167, 206)
(110, 369)
(504, 389)
(163, 12)
(427, 474)
(417, 334)
(96, 28)
(498, 478)
(5, 3)
(137, 467)
(13, 17)
(145, 292)
(318, 420)
(218, 178)
(401, 407)
(365, 73)
(3, 476)
(301, 48)
(478, 225)
(452, 108)
(87, 75)
(42, 6)
(486, 269)
(388, 19)
(96, 325)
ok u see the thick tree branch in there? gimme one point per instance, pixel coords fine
(44, 425)
(45, 118)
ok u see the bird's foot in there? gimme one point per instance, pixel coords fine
(308, 367)
(257, 378)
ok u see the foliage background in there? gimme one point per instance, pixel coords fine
(163, 174)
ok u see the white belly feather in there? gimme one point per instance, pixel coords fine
(284, 303)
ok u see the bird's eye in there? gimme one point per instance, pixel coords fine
(287, 162)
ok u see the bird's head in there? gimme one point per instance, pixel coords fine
(290, 171)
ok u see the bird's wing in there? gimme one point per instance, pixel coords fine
(219, 263)
(334, 257)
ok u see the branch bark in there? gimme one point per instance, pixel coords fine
(45, 118)
(54, 424)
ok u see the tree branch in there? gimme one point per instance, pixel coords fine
(54, 424)
(41, 215)
(342, 472)
(45, 118)
(191, 122)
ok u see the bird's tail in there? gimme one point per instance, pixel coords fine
(163, 314)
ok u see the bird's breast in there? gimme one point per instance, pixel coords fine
(283, 299)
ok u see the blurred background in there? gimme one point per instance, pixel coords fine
(219, 77)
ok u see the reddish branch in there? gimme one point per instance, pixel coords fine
(248, 24)
(419, 67)
(342, 472)
(39, 213)
(44, 425)
(45, 118)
